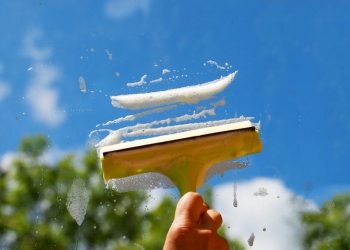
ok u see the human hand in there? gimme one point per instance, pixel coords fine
(195, 226)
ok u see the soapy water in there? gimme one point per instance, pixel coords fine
(77, 200)
(115, 136)
(157, 80)
(251, 240)
(189, 95)
(217, 65)
(82, 84)
(167, 100)
(235, 202)
(261, 192)
(139, 83)
(139, 115)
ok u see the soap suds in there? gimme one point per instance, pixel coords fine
(189, 95)
(77, 200)
(110, 56)
(261, 192)
(82, 84)
(137, 182)
(216, 64)
(182, 118)
(139, 115)
(115, 136)
(157, 80)
(145, 129)
(139, 83)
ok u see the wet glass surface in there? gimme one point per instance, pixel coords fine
(60, 63)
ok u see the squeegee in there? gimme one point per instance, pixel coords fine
(183, 157)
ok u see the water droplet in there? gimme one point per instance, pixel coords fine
(95, 227)
(251, 240)
(264, 229)
(235, 203)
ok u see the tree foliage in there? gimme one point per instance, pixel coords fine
(33, 212)
(328, 228)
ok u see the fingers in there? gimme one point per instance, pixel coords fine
(190, 207)
(211, 220)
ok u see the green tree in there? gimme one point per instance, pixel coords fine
(328, 228)
(33, 204)
(33, 212)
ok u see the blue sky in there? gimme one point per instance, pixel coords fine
(293, 60)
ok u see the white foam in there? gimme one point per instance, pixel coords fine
(115, 136)
(216, 64)
(165, 71)
(146, 181)
(189, 95)
(77, 200)
(157, 80)
(139, 83)
(182, 118)
(138, 115)
(82, 84)
(110, 56)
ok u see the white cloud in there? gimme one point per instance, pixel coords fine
(119, 9)
(31, 50)
(41, 96)
(280, 216)
(278, 212)
(5, 90)
(6, 160)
